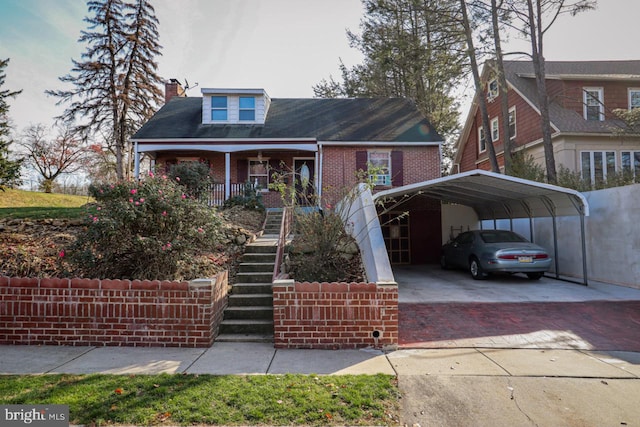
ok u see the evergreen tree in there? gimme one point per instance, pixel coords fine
(115, 83)
(9, 169)
(412, 50)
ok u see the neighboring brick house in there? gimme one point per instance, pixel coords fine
(582, 96)
(244, 135)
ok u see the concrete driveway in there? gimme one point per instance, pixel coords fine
(471, 351)
(448, 309)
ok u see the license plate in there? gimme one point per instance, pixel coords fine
(525, 259)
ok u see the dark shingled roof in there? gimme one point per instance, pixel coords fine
(359, 119)
(521, 75)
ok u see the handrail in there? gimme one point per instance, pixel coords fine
(285, 228)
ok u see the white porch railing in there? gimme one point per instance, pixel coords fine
(214, 195)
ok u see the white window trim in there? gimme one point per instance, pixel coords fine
(256, 159)
(212, 109)
(491, 95)
(592, 168)
(480, 132)
(255, 102)
(495, 129)
(632, 89)
(632, 165)
(600, 91)
(515, 122)
(386, 178)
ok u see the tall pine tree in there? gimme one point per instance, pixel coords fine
(115, 84)
(9, 169)
(412, 49)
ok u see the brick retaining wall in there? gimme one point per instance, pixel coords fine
(334, 315)
(111, 312)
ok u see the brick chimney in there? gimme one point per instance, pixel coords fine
(173, 88)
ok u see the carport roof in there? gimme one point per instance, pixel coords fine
(496, 196)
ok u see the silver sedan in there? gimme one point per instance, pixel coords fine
(487, 251)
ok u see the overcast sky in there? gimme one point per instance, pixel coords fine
(283, 46)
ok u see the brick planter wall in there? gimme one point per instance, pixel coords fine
(334, 315)
(111, 312)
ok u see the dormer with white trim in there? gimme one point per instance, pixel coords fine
(234, 106)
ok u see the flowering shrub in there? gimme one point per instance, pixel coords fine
(146, 230)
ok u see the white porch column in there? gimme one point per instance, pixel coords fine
(318, 177)
(136, 161)
(227, 175)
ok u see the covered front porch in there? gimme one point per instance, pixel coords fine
(233, 166)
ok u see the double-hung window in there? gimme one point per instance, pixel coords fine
(634, 98)
(596, 165)
(495, 129)
(259, 173)
(219, 110)
(247, 108)
(482, 140)
(593, 101)
(380, 163)
(492, 90)
(631, 162)
(512, 122)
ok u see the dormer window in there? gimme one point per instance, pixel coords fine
(219, 108)
(234, 106)
(247, 111)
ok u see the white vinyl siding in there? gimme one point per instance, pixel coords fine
(233, 109)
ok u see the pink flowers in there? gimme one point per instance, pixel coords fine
(166, 247)
(184, 196)
(200, 230)
(164, 213)
(133, 191)
(61, 254)
(95, 219)
(178, 178)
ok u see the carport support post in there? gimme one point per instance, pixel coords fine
(555, 246)
(584, 251)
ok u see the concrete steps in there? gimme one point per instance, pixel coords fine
(249, 313)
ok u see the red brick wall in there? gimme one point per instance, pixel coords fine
(111, 312)
(334, 315)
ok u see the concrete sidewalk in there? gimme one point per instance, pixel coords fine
(439, 387)
(226, 358)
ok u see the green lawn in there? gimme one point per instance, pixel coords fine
(34, 205)
(212, 400)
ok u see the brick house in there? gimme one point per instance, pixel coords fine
(582, 95)
(244, 136)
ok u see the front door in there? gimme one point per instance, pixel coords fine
(304, 180)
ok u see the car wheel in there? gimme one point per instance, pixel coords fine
(443, 262)
(534, 276)
(476, 269)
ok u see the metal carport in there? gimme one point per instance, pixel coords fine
(494, 196)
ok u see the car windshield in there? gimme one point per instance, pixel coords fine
(497, 236)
